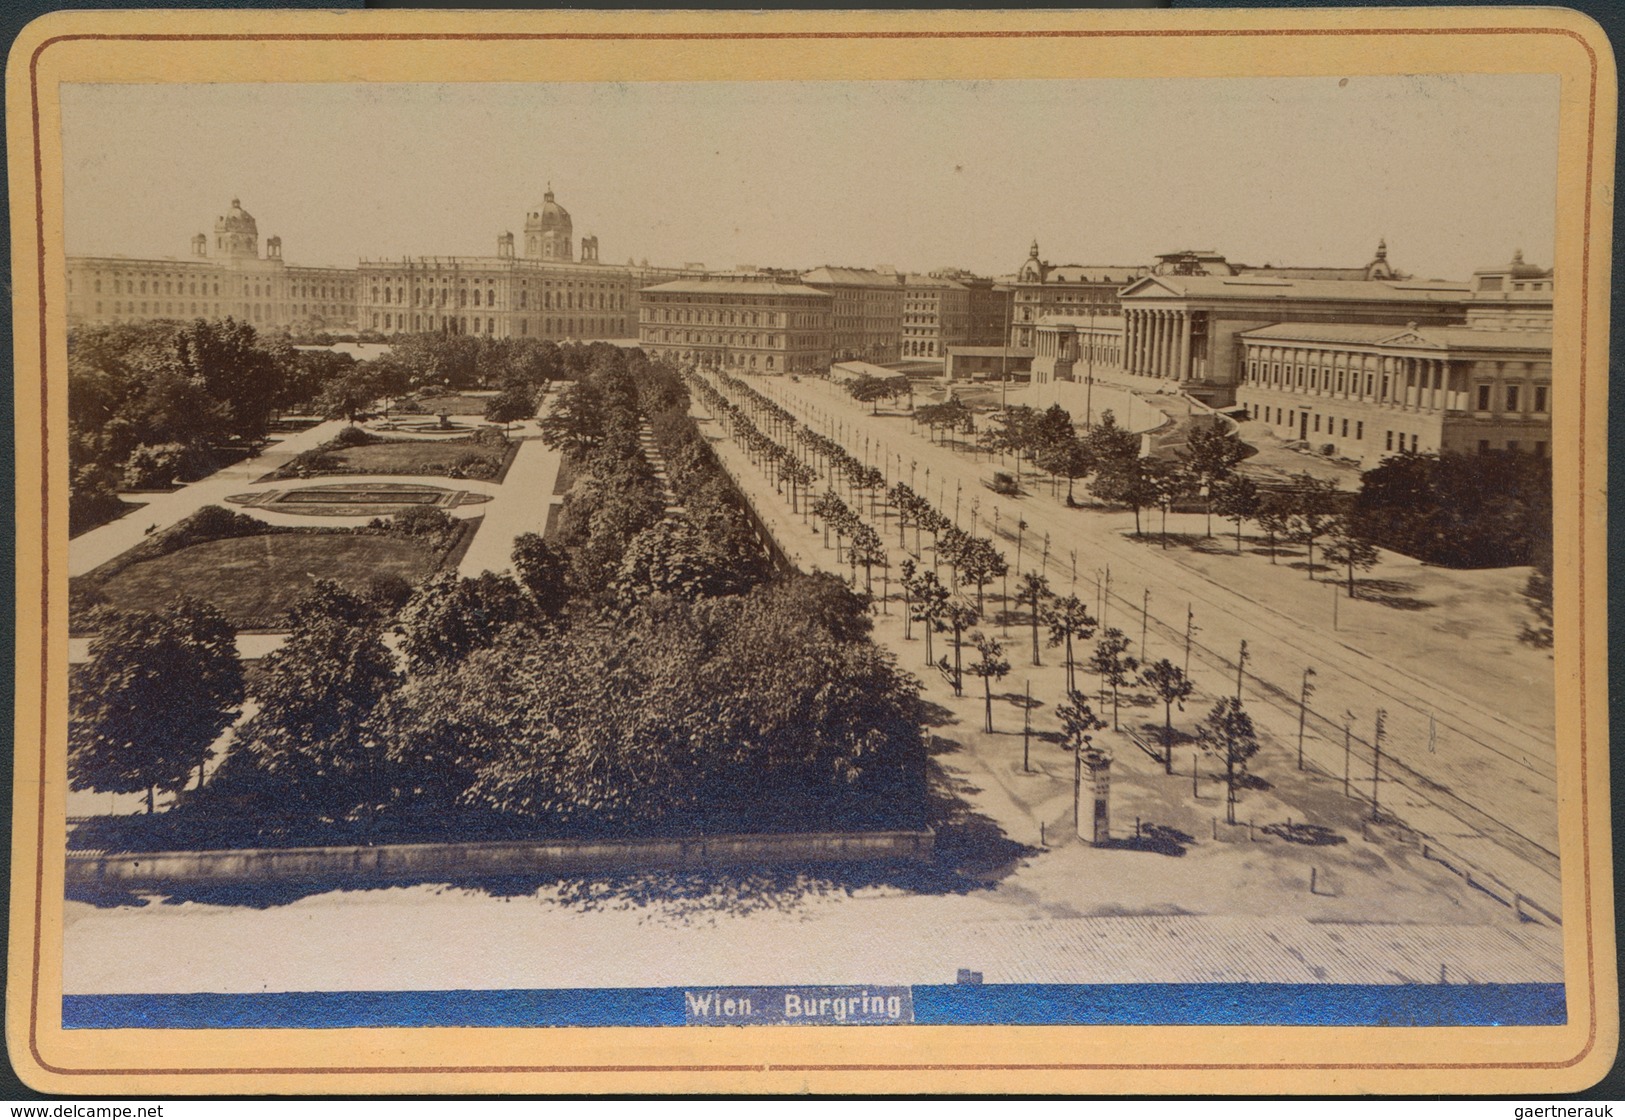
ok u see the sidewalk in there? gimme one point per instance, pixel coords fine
(519, 506)
(1464, 793)
(102, 544)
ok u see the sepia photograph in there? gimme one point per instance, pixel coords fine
(1039, 550)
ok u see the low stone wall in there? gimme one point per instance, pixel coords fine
(1131, 410)
(387, 863)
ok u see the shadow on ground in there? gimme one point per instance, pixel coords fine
(1390, 593)
(971, 853)
(1158, 838)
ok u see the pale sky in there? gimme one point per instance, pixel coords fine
(1456, 171)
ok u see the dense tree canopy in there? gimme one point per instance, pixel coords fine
(157, 692)
(750, 712)
(168, 395)
(1460, 511)
(314, 747)
(645, 673)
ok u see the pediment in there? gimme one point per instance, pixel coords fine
(1412, 338)
(1151, 287)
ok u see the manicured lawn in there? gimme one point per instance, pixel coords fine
(416, 456)
(454, 404)
(255, 579)
(405, 456)
(126, 507)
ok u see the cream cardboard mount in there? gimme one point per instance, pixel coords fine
(1409, 889)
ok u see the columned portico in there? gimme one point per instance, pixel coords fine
(1368, 391)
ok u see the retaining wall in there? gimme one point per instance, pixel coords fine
(419, 862)
(1133, 412)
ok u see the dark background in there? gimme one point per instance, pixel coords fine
(15, 14)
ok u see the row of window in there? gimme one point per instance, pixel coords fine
(128, 287)
(673, 299)
(524, 282)
(792, 362)
(182, 287)
(1265, 413)
(398, 320)
(727, 318)
(1303, 425)
(1513, 397)
(720, 339)
(1314, 378)
(1513, 445)
(170, 307)
(465, 297)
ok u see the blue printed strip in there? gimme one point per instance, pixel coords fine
(1343, 1005)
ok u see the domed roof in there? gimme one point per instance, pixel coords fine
(550, 216)
(1521, 270)
(236, 220)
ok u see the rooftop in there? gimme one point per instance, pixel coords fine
(1106, 322)
(1456, 338)
(920, 280)
(862, 277)
(867, 369)
(1093, 273)
(736, 287)
(1283, 287)
(991, 351)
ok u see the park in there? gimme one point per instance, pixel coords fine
(820, 621)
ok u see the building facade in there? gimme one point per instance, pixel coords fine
(936, 315)
(499, 297)
(228, 277)
(983, 363)
(546, 291)
(991, 308)
(1206, 262)
(1076, 348)
(742, 324)
(1041, 289)
(1187, 329)
(866, 312)
(1364, 392)
(1516, 296)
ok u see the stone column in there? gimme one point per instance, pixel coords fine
(1184, 369)
(1163, 334)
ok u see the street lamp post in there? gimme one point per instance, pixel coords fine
(1376, 758)
(1190, 628)
(1089, 375)
(1348, 747)
(1026, 728)
(1145, 621)
(1303, 710)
